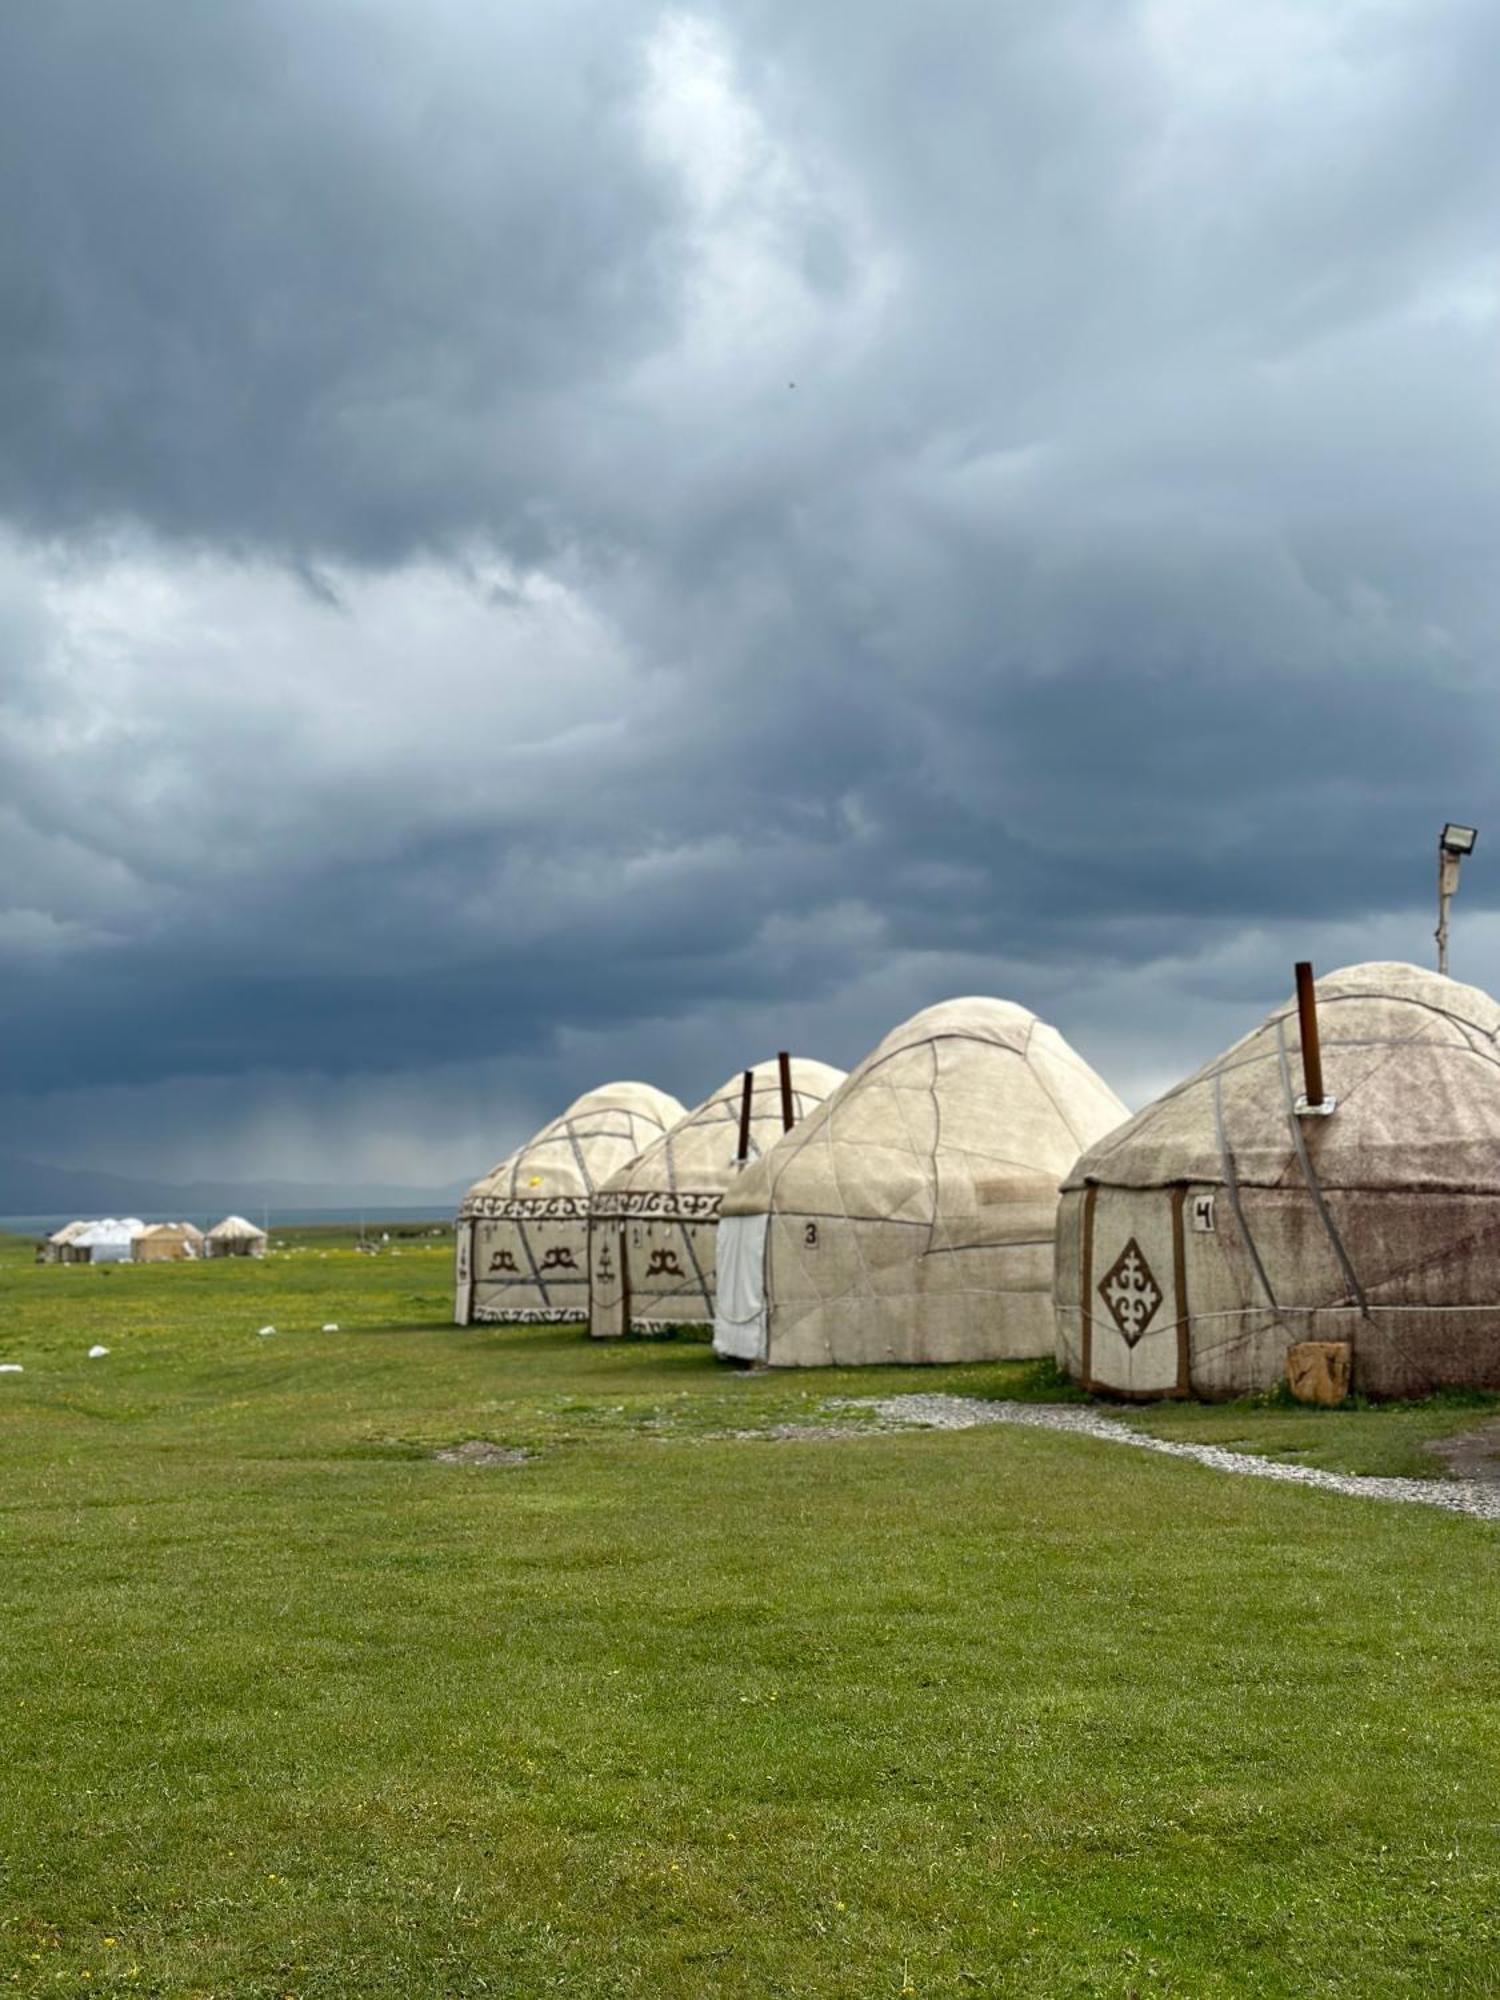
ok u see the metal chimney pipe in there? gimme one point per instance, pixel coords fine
(788, 1114)
(1307, 1021)
(746, 1094)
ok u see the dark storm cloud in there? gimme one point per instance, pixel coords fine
(297, 273)
(548, 535)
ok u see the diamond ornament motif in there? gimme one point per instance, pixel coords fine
(1131, 1292)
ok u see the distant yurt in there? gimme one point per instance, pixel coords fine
(59, 1245)
(106, 1242)
(235, 1237)
(523, 1231)
(168, 1243)
(1244, 1215)
(910, 1217)
(653, 1227)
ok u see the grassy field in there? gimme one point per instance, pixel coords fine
(293, 1707)
(1392, 1438)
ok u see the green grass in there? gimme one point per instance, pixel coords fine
(291, 1708)
(1386, 1438)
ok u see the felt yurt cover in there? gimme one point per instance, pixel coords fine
(522, 1250)
(61, 1240)
(166, 1242)
(653, 1227)
(910, 1217)
(235, 1237)
(1222, 1225)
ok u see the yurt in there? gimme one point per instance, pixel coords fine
(235, 1237)
(59, 1245)
(106, 1242)
(168, 1243)
(1339, 1213)
(653, 1226)
(910, 1217)
(523, 1231)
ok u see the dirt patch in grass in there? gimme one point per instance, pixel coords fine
(1471, 1454)
(480, 1451)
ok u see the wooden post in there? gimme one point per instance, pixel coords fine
(788, 1113)
(1307, 1019)
(746, 1095)
(624, 1281)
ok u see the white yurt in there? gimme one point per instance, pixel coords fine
(653, 1226)
(235, 1237)
(910, 1217)
(523, 1231)
(109, 1241)
(1243, 1214)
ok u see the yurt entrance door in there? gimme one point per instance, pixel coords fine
(609, 1277)
(463, 1281)
(741, 1318)
(1135, 1325)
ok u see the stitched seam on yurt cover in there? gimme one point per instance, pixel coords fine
(1313, 1186)
(1232, 1186)
(583, 1172)
(1041, 1084)
(937, 1144)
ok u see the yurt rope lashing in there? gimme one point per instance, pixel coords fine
(705, 1290)
(1232, 1186)
(536, 1274)
(1314, 1187)
(582, 1163)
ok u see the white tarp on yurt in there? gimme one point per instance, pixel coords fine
(1221, 1225)
(910, 1217)
(653, 1226)
(106, 1242)
(522, 1251)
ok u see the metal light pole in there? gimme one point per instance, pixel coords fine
(1454, 842)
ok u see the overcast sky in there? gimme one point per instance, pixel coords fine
(547, 542)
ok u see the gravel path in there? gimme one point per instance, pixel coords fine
(1479, 1497)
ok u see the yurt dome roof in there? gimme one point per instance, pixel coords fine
(1411, 1059)
(698, 1152)
(234, 1228)
(597, 1134)
(111, 1229)
(1033, 1117)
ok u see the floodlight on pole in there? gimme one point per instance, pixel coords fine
(1454, 842)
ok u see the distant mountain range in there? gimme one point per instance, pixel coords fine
(29, 1188)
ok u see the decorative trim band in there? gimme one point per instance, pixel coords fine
(525, 1208)
(626, 1204)
(529, 1315)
